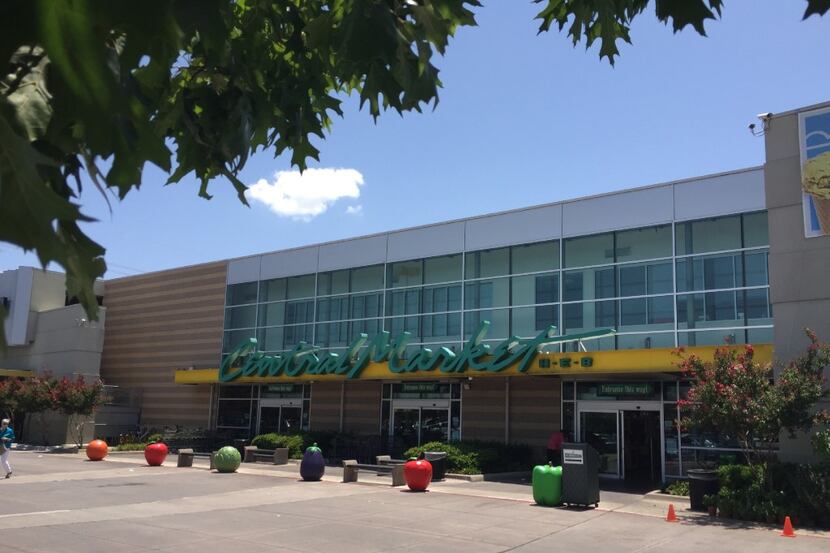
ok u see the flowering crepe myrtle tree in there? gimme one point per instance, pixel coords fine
(41, 393)
(736, 397)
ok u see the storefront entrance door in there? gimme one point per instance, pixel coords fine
(412, 426)
(628, 441)
(280, 416)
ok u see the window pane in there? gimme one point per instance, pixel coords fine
(235, 392)
(756, 269)
(406, 273)
(589, 284)
(238, 294)
(367, 278)
(441, 298)
(403, 302)
(579, 317)
(272, 290)
(644, 314)
(646, 341)
(233, 338)
(271, 314)
(756, 307)
(333, 335)
(270, 339)
(370, 327)
(499, 322)
(366, 305)
(487, 263)
(756, 231)
(709, 235)
(299, 312)
(759, 336)
(442, 269)
(589, 250)
(442, 327)
(487, 293)
(709, 273)
(710, 338)
(298, 333)
(659, 278)
(300, 287)
(715, 309)
(240, 317)
(543, 256)
(532, 289)
(234, 413)
(332, 309)
(646, 243)
(530, 321)
(632, 280)
(336, 282)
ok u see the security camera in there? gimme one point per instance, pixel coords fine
(764, 116)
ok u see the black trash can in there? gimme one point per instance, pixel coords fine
(580, 474)
(438, 460)
(240, 444)
(702, 482)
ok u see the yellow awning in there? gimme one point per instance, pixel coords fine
(628, 361)
(14, 373)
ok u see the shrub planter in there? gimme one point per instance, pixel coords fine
(313, 465)
(96, 450)
(227, 459)
(155, 454)
(418, 474)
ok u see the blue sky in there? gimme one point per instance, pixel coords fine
(523, 119)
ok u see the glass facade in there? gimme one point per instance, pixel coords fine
(701, 282)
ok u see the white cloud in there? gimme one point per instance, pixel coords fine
(354, 210)
(305, 196)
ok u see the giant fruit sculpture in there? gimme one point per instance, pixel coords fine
(418, 474)
(313, 465)
(227, 459)
(96, 450)
(155, 454)
(547, 485)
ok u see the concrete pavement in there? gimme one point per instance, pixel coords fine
(61, 503)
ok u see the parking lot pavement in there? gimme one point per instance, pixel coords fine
(63, 504)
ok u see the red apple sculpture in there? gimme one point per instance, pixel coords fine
(96, 450)
(155, 454)
(418, 474)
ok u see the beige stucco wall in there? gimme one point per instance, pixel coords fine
(799, 279)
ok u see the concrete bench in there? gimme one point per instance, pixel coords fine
(351, 468)
(388, 460)
(277, 456)
(186, 457)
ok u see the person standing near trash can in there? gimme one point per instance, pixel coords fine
(555, 447)
(6, 440)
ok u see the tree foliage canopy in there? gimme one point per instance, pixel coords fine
(102, 88)
(735, 398)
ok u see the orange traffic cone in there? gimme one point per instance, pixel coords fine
(788, 528)
(671, 517)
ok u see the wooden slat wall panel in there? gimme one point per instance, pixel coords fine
(535, 409)
(325, 406)
(482, 410)
(160, 322)
(361, 413)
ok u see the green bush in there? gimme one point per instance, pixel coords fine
(294, 443)
(754, 493)
(133, 446)
(678, 487)
(154, 438)
(477, 457)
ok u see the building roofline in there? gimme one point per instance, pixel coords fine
(463, 219)
(795, 111)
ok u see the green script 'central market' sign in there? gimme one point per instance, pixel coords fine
(246, 361)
